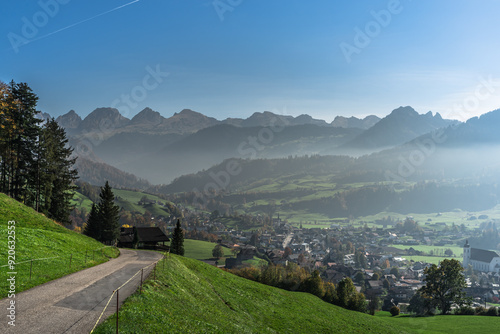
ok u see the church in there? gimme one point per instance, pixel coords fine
(480, 259)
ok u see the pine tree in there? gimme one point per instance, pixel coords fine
(177, 243)
(93, 226)
(25, 138)
(54, 176)
(108, 215)
(20, 131)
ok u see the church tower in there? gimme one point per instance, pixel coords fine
(466, 260)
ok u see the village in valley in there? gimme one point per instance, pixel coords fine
(386, 261)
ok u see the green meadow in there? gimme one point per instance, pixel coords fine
(447, 324)
(55, 250)
(189, 296)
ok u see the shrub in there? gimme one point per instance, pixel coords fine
(464, 310)
(480, 310)
(492, 311)
(394, 311)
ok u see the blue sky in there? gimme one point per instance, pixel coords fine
(231, 58)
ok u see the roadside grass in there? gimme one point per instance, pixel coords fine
(189, 296)
(37, 237)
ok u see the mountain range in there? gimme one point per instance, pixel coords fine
(188, 121)
(159, 149)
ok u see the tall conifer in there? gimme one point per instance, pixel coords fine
(108, 215)
(177, 243)
(93, 226)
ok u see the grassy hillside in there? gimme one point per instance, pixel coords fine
(129, 200)
(189, 296)
(81, 201)
(201, 250)
(37, 237)
(448, 324)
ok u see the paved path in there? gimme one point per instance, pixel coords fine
(72, 304)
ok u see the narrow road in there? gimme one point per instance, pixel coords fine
(72, 304)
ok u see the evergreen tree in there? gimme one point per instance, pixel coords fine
(108, 215)
(93, 226)
(177, 243)
(20, 131)
(54, 177)
(35, 161)
(25, 139)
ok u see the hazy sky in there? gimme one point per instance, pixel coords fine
(231, 58)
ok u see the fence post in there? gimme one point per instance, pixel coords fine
(142, 272)
(117, 303)
(31, 267)
(70, 259)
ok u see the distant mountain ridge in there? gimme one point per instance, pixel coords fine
(354, 122)
(400, 126)
(189, 121)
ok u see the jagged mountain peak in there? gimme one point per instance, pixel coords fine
(354, 122)
(147, 116)
(104, 118)
(404, 111)
(401, 125)
(70, 121)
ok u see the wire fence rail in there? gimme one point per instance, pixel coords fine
(54, 257)
(117, 291)
(29, 273)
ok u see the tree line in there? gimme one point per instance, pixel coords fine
(293, 277)
(36, 163)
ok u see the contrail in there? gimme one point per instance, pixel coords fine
(80, 22)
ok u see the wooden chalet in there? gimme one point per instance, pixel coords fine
(147, 238)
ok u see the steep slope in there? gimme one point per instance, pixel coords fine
(189, 296)
(37, 237)
(97, 173)
(69, 121)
